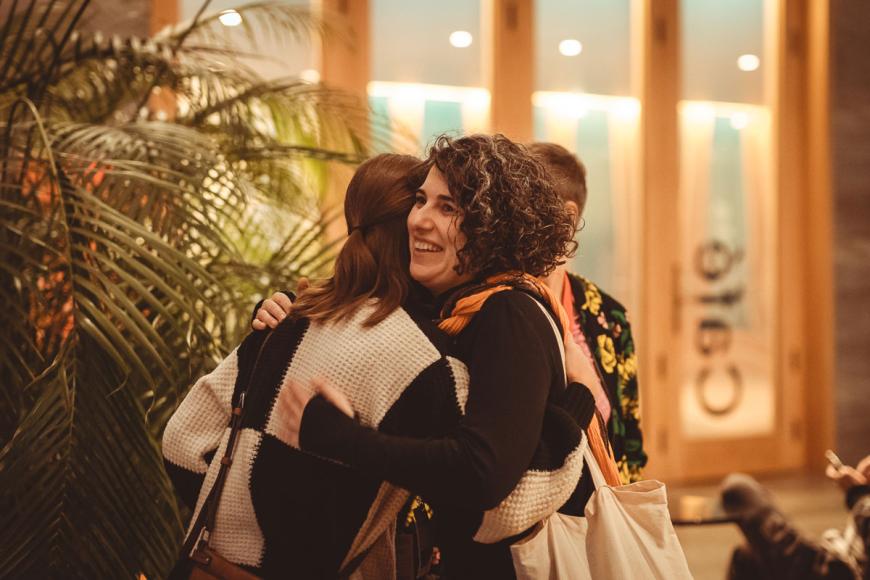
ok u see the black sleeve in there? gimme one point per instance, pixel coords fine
(186, 483)
(259, 304)
(512, 362)
(855, 493)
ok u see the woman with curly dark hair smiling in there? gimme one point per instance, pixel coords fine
(485, 224)
(511, 219)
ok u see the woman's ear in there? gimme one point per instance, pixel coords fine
(574, 210)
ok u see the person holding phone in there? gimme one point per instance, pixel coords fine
(776, 550)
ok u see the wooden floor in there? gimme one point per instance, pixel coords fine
(813, 503)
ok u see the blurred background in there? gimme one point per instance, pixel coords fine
(726, 144)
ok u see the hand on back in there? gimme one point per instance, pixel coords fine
(293, 399)
(276, 308)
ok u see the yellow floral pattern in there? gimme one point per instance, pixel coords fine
(593, 299)
(605, 325)
(606, 352)
(627, 367)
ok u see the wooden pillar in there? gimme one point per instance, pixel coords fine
(790, 137)
(659, 323)
(163, 13)
(805, 216)
(345, 65)
(345, 53)
(509, 57)
(819, 278)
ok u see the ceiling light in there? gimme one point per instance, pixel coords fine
(460, 38)
(570, 47)
(748, 62)
(230, 18)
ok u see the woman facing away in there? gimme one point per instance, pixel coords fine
(484, 224)
(283, 512)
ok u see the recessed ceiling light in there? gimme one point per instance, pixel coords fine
(230, 18)
(748, 62)
(570, 47)
(461, 38)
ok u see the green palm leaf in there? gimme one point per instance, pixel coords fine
(133, 246)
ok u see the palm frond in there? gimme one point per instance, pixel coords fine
(84, 497)
(134, 242)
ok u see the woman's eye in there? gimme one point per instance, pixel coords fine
(447, 208)
(419, 200)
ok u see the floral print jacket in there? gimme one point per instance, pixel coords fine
(605, 325)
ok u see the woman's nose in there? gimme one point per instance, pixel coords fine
(420, 218)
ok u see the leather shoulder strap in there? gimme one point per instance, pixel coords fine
(205, 521)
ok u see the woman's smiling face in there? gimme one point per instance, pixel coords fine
(434, 236)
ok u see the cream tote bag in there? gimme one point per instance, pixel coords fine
(627, 534)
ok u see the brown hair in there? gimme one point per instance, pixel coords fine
(567, 172)
(374, 260)
(512, 218)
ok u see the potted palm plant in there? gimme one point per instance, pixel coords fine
(150, 189)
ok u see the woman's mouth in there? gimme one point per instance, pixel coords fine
(426, 247)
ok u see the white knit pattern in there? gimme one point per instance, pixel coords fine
(371, 366)
(372, 373)
(201, 420)
(236, 535)
(460, 377)
(537, 495)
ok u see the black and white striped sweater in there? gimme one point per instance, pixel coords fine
(284, 511)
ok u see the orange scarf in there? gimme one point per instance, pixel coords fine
(465, 309)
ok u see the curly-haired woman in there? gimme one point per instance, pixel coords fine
(485, 224)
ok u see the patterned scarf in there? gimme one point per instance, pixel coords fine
(472, 300)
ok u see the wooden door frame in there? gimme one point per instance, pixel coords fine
(804, 335)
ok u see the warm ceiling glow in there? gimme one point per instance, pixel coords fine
(570, 47)
(310, 75)
(699, 111)
(460, 38)
(625, 109)
(230, 18)
(739, 120)
(565, 105)
(748, 62)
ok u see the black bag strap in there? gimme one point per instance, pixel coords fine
(205, 521)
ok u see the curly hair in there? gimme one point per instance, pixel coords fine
(512, 217)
